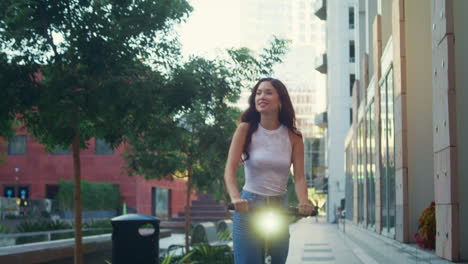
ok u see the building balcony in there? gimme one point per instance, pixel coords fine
(321, 120)
(320, 9)
(321, 63)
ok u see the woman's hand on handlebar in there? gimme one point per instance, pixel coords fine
(305, 208)
(240, 205)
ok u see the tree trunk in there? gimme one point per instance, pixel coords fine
(77, 173)
(187, 208)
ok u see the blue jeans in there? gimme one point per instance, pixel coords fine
(249, 247)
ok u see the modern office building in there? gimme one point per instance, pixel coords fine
(338, 63)
(407, 145)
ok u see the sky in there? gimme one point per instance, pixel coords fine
(214, 25)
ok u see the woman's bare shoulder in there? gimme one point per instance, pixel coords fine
(243, 127)
(295, 137)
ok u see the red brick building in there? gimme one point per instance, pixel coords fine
(31, 170)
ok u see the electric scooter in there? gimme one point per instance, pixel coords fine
(269, 220)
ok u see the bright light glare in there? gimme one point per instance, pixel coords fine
(57, 38)
(213, 25)
(269, 222)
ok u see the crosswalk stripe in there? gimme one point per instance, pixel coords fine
(315, 244)
(317, 250)
(315, 259)
(317, 253)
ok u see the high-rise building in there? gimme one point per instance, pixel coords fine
(338, 63)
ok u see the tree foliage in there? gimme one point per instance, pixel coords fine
(96, 67)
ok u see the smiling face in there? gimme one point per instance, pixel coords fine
(267, 98)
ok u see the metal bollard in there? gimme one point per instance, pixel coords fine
(129, 246)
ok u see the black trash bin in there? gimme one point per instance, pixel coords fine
(129, 246)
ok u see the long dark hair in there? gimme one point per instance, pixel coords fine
(286, 115)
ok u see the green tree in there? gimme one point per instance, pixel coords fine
(195, 141)
(102, 66)
(18, 93)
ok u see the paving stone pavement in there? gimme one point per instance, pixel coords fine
(315, 242)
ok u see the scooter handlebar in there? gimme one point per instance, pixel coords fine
(293, 211)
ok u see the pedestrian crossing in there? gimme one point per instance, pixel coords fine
(317, 253)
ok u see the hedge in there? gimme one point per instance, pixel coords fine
(94, 196)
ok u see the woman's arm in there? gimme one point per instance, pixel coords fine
(300, 185)
(234, 158)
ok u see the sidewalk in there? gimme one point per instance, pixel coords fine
(319, 243)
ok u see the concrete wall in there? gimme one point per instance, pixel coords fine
(461, 85)
(419, 109)
(385, 7)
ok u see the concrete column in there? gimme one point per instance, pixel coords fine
(400, 111)
(419, 109)
(445, 131)
(377, 27)
(364, 80)
(354, 139)
(461, 83)
(363, 121)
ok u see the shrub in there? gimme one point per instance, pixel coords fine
(98, 224)
(214, 255)
(426, 235)
(42, 225)
(95, 196)
(4, 229)
(225, 235)
(171, 259)
(14, 217)
(201, 254)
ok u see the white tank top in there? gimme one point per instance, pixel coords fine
(267, 169)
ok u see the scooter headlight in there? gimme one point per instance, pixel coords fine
(269, 222)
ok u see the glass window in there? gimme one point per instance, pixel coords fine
(17, 145)
(387, 154)
(351, 17)
(51, 191)
(370, 166)
(23, 192)
(351, 51)
(360, 172)
(9, 191)
(352, 79)
(102, 147)
(349, 171)
(302, 27)
(160, 202)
